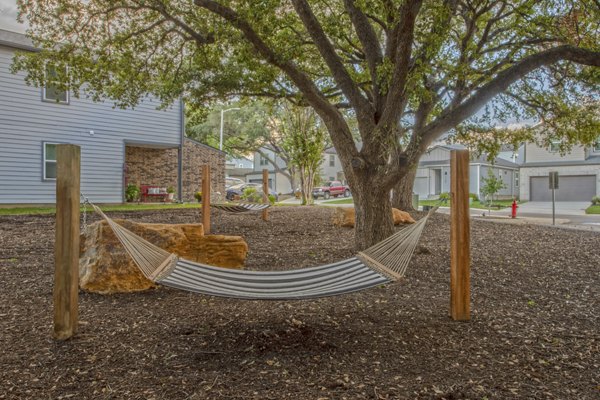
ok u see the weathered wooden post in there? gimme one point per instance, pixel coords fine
(460, 242)
(206, 198)
(265, 172)
(66, 246)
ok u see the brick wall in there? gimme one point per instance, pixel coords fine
(146, 166)
(158, 167)
(195, 155)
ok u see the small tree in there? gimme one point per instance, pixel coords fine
(491, 186)
(304, 140)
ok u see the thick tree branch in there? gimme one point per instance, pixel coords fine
(200, 38)
(405, 38)
(340, 74)
(370, 43)
(331, 116)
(500, 83)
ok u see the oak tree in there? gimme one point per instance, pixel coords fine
(408, 71)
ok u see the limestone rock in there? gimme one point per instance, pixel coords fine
(346, 216)
(105, 267)
(401, 217)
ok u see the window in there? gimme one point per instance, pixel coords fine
(554, 146)
(49, 161)
(263, 160)
(596, 147)
(52, 92)
(332, 160)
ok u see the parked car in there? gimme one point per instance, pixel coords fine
(238, 190)
(229, 182)
(331, 188)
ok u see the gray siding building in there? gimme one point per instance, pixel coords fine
(32, 122)
(433, 174)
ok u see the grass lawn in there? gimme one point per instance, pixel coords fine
(116, 207)
(496, 205)
(340, 201)
(593, 209)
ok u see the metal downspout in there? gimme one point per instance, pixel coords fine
(180, 151)
(478, 180)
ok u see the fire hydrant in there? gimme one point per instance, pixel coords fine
(514, 207)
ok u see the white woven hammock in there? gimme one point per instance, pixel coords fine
(382, 263)
(240, 207)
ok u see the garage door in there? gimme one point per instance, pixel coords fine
(570, 188)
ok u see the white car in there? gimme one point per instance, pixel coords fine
(232, 181)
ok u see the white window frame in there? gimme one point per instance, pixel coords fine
(332, 160)
(596, 146)
(554, 143)
(47, 100)
(44, 161)
(263, 161)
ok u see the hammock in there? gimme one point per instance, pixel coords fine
(382, 263)
(240, 207)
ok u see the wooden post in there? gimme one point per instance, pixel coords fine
(265, 213)
(460, 254)
(66, 246)
(206, 198)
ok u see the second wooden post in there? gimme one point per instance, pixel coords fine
(265, 213)
(206, 198)
(460, 242)
(66, 246)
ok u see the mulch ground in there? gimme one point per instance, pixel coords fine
(534, 333)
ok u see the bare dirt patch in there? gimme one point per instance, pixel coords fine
(534, 333)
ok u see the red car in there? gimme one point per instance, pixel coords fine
(331, 188)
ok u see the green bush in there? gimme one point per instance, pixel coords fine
(596, 200)
(271, 199)
(251, 195)
(170, 189)
(198, 196)
(474, 196)
(132, 192)
(444, 197)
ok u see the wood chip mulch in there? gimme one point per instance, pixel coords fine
(534, 333)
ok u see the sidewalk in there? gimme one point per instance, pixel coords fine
(569, 216)
(574, 221)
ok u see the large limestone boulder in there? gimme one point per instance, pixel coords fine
(346, 216)
(401, 217)
(105, 267)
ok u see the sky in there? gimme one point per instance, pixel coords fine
(8, 16)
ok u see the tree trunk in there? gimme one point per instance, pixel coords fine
(403, 191)
(373, 212)
(307, 183)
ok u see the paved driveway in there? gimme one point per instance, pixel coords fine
(562, 207)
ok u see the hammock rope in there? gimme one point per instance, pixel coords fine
(384, 262)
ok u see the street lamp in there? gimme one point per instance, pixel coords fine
(221, 130)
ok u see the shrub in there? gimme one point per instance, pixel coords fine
(271, 199)
(132, 192)
(198, 196)
(251, 195)
(444, 197)
(474, 196)
(170, 189)
(596, 200)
